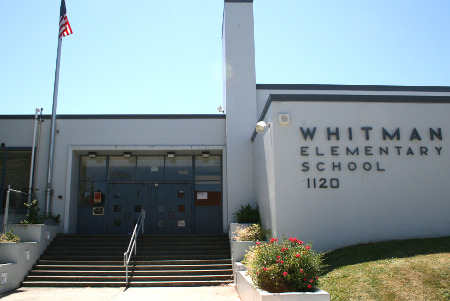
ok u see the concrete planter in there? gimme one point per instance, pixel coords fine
(248, 292)
(16, 259)
(239, 248)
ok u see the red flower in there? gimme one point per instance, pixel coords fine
(308, 247)
(301, 271)
(282, 261)
(278, 261)
(311, 280)
(265, 269)
(297, 255)
(284, 273)
(309, 286)
(300, 242)
(278, 256)
(257, 243)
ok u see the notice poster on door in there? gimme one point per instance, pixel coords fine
(97, 197)
(202, 195)
(98, 211)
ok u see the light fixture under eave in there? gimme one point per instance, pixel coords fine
(92, 155)
(127, 155)
(170, 154)
(205, 154)
(261, 127)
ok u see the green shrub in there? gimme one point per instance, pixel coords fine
(250, 233)
(9, 237)
(247, 214)
(285, 266)
(34, 217)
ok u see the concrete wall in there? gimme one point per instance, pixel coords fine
(403, 194)
(17, 259)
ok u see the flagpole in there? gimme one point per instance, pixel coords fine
(49, 190)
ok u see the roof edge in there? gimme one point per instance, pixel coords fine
(351, 87)
(121, 116)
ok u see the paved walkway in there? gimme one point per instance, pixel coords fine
(214, 293)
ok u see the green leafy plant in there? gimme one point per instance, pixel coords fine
(56, 219)
(284, 266)
(247, 214)
(250, 233)
(9, 237)
(33, 215)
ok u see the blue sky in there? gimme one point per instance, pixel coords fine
(165, 57)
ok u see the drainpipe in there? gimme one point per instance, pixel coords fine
(30, 185)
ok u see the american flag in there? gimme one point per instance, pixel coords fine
(64, 26)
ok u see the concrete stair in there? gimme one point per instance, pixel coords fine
(161, 260)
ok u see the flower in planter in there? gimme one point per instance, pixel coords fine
(287, 265)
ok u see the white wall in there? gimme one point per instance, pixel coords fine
(407, 197)
(239, 101)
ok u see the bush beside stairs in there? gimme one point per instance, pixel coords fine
(162, 260)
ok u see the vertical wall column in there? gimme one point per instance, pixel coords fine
(239, 99)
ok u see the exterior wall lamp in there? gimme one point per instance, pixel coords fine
(92, 155)
(170, 154)
(127, 155)
(205, 154)
(261, 127)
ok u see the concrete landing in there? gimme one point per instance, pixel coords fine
(210, 293)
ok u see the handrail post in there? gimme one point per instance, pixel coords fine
(125, 261)
(5, 218)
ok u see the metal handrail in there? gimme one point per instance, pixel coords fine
(6, 215)
(132, 245)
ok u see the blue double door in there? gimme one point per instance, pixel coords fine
(168, 208)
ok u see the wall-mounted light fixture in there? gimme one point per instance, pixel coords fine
(205, 154)
(127, 155)
(261, 127)
(92, 155)
(170, 154)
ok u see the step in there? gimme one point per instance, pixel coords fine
(132, 271)
(135, 262)
(131, 284)
(178, 252)
(135, 268)
(133, 278)
(135, 258)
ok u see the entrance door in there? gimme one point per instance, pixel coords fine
(172, 208)
(125, 202)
